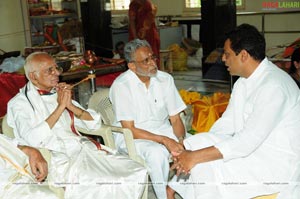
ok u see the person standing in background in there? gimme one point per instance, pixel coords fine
(142, 23)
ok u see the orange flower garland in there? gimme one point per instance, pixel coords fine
(206, 109)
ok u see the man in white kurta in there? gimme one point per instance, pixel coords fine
(47, 119)
(17, 180)
(146, 99)
(254, 148)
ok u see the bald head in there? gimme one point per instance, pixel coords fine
(34, 61)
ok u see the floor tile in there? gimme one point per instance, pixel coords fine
(192, 80)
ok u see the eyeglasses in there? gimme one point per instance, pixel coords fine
(148, 60)
(51, 70)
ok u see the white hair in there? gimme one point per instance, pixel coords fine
(31, 62)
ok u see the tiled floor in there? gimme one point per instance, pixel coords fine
(192, 80)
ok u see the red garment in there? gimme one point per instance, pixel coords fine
(107, 80)
(290, 49)
(10, 83)
(144, 16)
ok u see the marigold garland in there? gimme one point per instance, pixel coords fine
(206, 109)
(189, 97)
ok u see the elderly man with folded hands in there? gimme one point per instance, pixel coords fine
(44, 115)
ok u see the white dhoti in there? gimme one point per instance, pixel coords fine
(92, 174)
(188, 187)
(156, 157)
(241, 178)
(25, 188)
(17, 181)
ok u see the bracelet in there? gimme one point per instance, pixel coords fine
(80, 115)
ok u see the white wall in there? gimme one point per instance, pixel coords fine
(257, 5)
(169, 7)
(12, 35)
(273, 22)
(278, 22)
(176, 7)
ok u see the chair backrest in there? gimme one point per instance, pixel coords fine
(7, 130)
(100, 102)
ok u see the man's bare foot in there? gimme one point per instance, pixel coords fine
(170, 193)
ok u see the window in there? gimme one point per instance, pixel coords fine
(190, 4)
(120, 4)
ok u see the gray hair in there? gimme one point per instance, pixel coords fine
(131, 47)
(31, 62)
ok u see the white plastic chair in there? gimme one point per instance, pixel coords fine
(100, 102)
(7, 130)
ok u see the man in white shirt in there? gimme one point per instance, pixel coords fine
(43, 115)
(147, 102)
(253, 149)
(17, 179)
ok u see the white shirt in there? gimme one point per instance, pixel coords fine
(28, 120)
(258, 136)
(150, 107)
(259, 111)
(74, 159)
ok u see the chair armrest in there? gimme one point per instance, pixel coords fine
(129, 141)
(7, 130)
(105, 132)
